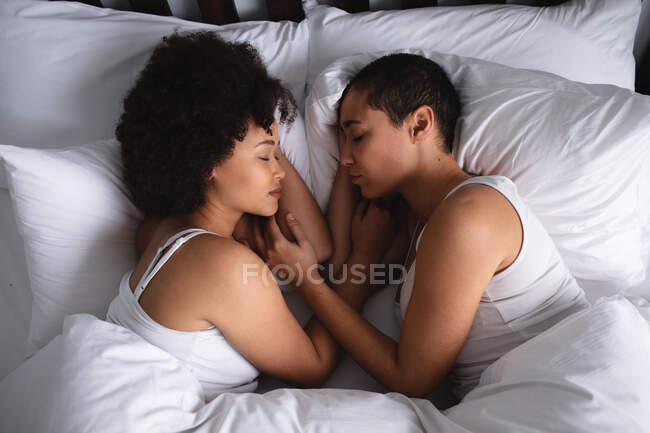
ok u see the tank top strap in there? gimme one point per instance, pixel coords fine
(177, 239)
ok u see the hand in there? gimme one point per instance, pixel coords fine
(373, 229)
(248, 231)
(298, 260)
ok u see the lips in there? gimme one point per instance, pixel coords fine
(276, 192)
(354, 177)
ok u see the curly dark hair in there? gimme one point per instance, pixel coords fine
(195, 96)
(399, 83)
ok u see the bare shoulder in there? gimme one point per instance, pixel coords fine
(233, 282)
(475, 202)
(477, 214)
(228, 274)
(224, 258)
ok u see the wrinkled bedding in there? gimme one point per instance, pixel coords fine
(590, 372)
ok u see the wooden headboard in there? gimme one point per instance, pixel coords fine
(225, 12)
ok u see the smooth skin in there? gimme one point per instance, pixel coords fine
(468, 238)
(205, 282)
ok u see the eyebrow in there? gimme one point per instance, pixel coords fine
(271, 142)
(350, 122)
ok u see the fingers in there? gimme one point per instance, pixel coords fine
(360, 210)
(374, 205)
(273, 232)
(365, 204)
(258, 239)
(296, 229)
(378, 215)
(378, 207)
(374, 210)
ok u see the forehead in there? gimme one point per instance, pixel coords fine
(355, 108)
(353, 104)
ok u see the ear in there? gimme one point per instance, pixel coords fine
(213, 177)
(422, 123)
(213, 174)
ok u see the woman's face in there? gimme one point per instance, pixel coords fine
(372, 149)
(246, 180)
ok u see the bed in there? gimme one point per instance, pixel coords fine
(314, 42)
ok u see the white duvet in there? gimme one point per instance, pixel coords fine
(589, 373)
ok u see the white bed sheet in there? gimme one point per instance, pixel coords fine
(111, 380)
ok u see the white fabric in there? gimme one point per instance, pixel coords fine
(532, 294)
(206, 353)
(103, 378)
(578, 154)
(69, 65)
(100, 377)
(15, 296)
(567, 39)
(589, 373)
(78, 225)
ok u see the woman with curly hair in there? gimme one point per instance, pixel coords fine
(201, 154)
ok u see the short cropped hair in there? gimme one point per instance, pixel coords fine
(195, 96)
(397, 84)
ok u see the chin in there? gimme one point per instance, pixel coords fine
(270, 210)
(265, 211)
(369, 193)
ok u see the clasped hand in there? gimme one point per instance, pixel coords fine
(292, 262)
(372, 230)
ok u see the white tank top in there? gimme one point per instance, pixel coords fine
(532, 294)
(218, 367)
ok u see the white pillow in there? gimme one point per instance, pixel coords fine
(576, 152)
(78, 225)
(67, 66)
(583, 40)
(587, 373)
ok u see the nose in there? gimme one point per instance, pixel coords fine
(279, 172)
(346, 158)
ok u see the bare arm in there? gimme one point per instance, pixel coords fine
(342, 203)
(253, 316)
(456, 259)
(297, 199)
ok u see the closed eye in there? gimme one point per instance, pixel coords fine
(357, 139)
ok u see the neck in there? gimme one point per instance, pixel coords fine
(213, 218)
(430, 184)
